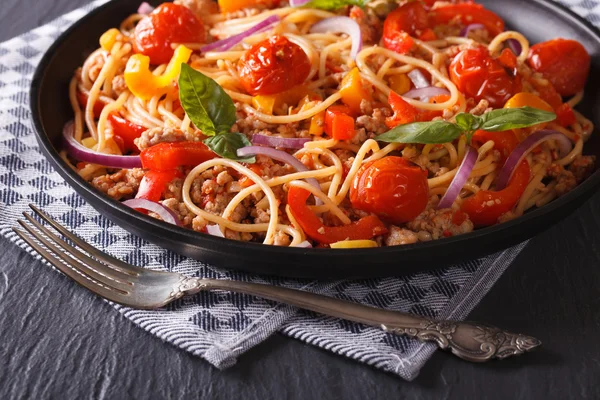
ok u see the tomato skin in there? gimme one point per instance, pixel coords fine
(565, 63)
(168, 23)
(505, 142)
(393, 188)
(469, 13)
(126, 130)
(169, 156)
(479, 76)
(485, 207)
(272, 66)
(154, 184)
(402, 23)
(364, 229)
(565, 116)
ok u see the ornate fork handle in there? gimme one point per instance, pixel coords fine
(469, 341)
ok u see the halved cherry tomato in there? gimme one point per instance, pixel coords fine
(468, 13)
(154, 184)
(505, 142)
(565, 115)
(479, 76)
(402, 23)
(565, 63)
(338, 123)
(485, 207)
(168, 156)
(393, 188)
(82, 99)
(169, 23)
(272, 66)
(126, 130)
(364, 229)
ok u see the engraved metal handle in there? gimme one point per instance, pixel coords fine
(469, 341)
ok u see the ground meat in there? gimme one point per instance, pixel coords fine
(120, 185)
(441, 223)
(155, 136)
(373, 122)
(174, 189)
(565, 180)
(185, 216)
(346, 157)
(582, 167)
(370, 24)
(118, 84)
(399, 236)
(281, 239)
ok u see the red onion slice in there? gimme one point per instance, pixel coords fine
(464, 32)
(274, 141)
(515, 46)
(463, 173)
(424, 94)
(530, 143)
(164, 212)
(279, 156)
(298, 3)
(306, 245)
(418, 79)
(145, 9)
(226, 44)
(344, 25)
(214, 230)
(82, 153)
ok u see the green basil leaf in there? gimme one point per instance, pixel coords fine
(205, 102)
(331, 5)
(227, 144)
(513, 118)
(468, 122)
(433, 132)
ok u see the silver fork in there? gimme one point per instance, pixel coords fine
(141, 288)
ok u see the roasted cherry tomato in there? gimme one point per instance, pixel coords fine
(479, 76)
(168, 156)
(468, 13)
(392, 187)
(364, 229)
(565, 116)
(505, 142)
(272, 66)
(563, 62)
(126, 130)
(485, 207)
(154, 184)
(169, 23)
(402, 23)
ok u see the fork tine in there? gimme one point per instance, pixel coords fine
(73, 273)
(88, 262)
(80, 267)
(110, 261)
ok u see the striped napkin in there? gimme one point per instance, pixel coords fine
(220, 327)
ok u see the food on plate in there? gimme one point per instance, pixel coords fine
(335, 124)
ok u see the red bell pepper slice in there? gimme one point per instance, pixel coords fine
(126, 130)
(565, 115)
(364, 229)
(505, 142)
(338, 123)
(82, 99)
(168, 156)
(155, 183)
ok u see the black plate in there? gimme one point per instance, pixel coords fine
(538, 19)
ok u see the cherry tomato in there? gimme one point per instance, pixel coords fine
(479, 76)
(402, 23)
(363, 229)
(485, 207)
(392, 188)
(169, 23)
(272, 66)
(154, 183)
(126, 130)
(468, 13)
(505, 142)
(168, 156)
(563, 62)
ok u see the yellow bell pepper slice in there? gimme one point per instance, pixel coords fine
(298, 95)
(353, 244)
(143, 83)
(353, 91)
(525, 99)
(110, 145)
(400, 83)
(109, 38)
(228, 6)
(317, 124)
(264, 104)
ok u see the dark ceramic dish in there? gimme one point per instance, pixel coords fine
(538, 19)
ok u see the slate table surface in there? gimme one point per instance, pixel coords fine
(59, 341)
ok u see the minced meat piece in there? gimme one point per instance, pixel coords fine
(441, 222)
(400, 236)
(582, 167)
(565, 180)
(185, 216)
(158, 135)
(120, 185)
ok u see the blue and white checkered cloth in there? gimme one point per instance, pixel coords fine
(219, 327)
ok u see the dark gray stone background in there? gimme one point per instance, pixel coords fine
(59, 341)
